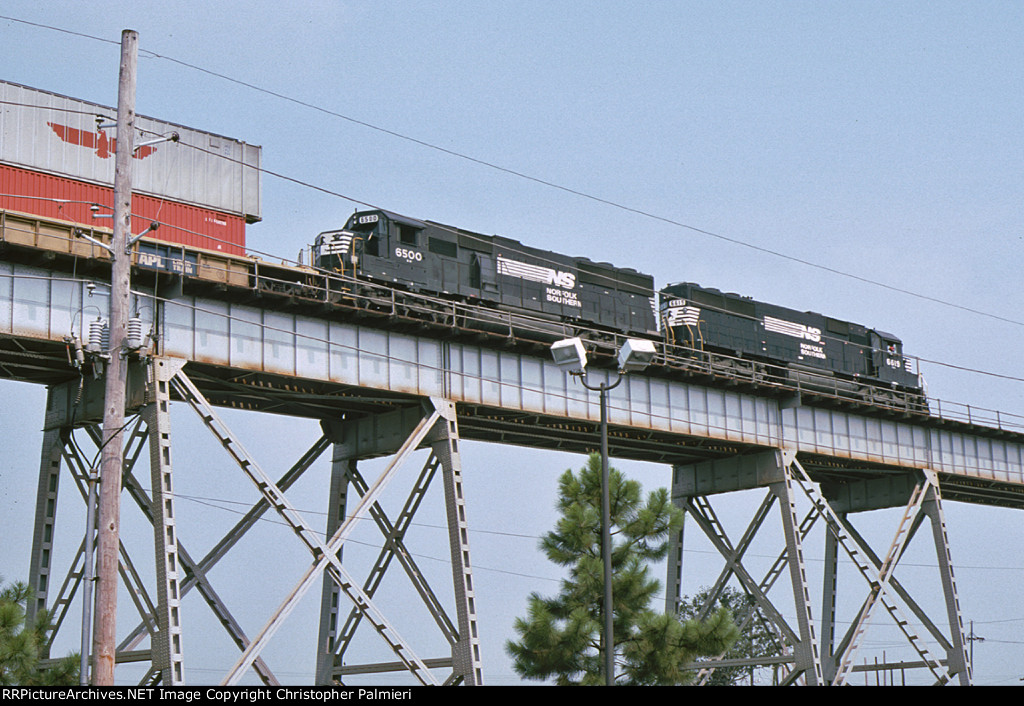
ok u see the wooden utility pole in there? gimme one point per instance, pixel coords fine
(111, 462)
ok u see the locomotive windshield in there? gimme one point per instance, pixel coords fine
(368, 225)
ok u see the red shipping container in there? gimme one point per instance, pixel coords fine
(71, 200)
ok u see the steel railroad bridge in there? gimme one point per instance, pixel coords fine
(385, 385)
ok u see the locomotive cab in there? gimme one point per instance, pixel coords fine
(887, 359)
(369, 233)
(373, 243)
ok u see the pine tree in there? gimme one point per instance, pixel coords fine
(21, 642)
(560, 638)
(757, 639)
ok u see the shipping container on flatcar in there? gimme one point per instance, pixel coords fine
(57, 162)
(710, 320)
(432, 257)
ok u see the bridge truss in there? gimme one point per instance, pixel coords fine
(380, 392)
(814, 653)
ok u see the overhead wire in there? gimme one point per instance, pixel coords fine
(585, 195)
(352, 199)
(582, 194)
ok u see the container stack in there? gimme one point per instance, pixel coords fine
(57, 161)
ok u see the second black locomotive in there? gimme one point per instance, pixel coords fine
(815, 350)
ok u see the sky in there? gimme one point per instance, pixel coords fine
(863, 160)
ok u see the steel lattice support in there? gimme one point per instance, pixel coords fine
(375, 436)
(324, 553)
(810, 651)
(73, 406)
(168, 658)
(437, 427)
(177, 572)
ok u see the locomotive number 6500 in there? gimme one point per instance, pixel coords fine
(409, 255)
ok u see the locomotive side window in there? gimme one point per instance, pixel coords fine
(715, 301)
(741, 307)
(371, 246)
(840, 328)
(406, 234)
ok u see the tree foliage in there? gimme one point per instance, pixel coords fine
(22, 642)
(756, 639)
(560, 638)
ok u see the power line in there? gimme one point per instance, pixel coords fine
(544, 182)
(60, 29)
(576, 192)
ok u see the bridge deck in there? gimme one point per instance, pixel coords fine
(306, 364)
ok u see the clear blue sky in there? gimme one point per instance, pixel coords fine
(725, 143)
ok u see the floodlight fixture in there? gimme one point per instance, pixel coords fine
(636, 354)
(570, 355)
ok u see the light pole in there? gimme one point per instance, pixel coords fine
(570, 355)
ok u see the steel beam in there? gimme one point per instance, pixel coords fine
(808, 650)
(445, 446)
(45, 520)
(956, 653)
(168, 654)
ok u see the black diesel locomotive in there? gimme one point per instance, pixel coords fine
(423, 256)
(821, 353)
(730, 335)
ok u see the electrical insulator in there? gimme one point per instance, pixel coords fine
(99, 336)
(136, 334)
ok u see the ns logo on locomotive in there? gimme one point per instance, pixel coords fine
(730, 333)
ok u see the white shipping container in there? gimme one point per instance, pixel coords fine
(59, 135)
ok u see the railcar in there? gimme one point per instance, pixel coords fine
(755, 339)
(425, 256)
